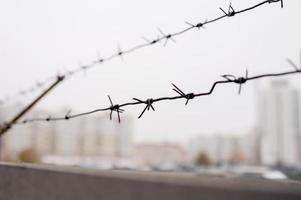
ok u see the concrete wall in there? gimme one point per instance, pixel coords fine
(36, 182)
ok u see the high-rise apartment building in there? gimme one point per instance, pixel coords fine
(279, 124)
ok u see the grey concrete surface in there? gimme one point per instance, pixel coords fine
(40, 182)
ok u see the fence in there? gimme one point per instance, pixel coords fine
(19, 181)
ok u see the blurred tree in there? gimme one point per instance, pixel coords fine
(28, 155)
(203, 159)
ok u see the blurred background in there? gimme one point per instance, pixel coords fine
(251, 133)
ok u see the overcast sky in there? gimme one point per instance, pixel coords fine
(40, 38)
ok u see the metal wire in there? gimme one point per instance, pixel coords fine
(25, 110)
(149, 103)
(120, 53)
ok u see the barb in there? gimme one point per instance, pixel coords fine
(240, 80)
(182, 94)
(115, 108)
(67, 116)
(164, 37)
(198, 25)
(149, 102)
(273, 1)
(167, 37)
(231, 12)
(120, 52)
(293, 64)
(48, 118)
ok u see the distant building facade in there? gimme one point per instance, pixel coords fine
(279, 124)
(79, 137)
(223, 149)
(160, 153)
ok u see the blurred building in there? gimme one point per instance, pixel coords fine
(223, 149)
(250, 146)
(102, 137)
(79, 137)
(279, 124)
(11, 142)
(152, 154)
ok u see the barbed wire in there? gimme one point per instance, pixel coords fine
(120, 53)
(149, 103)
(4, 128)
(23, 93)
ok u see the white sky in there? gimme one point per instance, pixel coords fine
(39, 38)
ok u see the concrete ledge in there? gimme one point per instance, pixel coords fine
(37, 182)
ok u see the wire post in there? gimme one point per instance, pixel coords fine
(8, 125)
